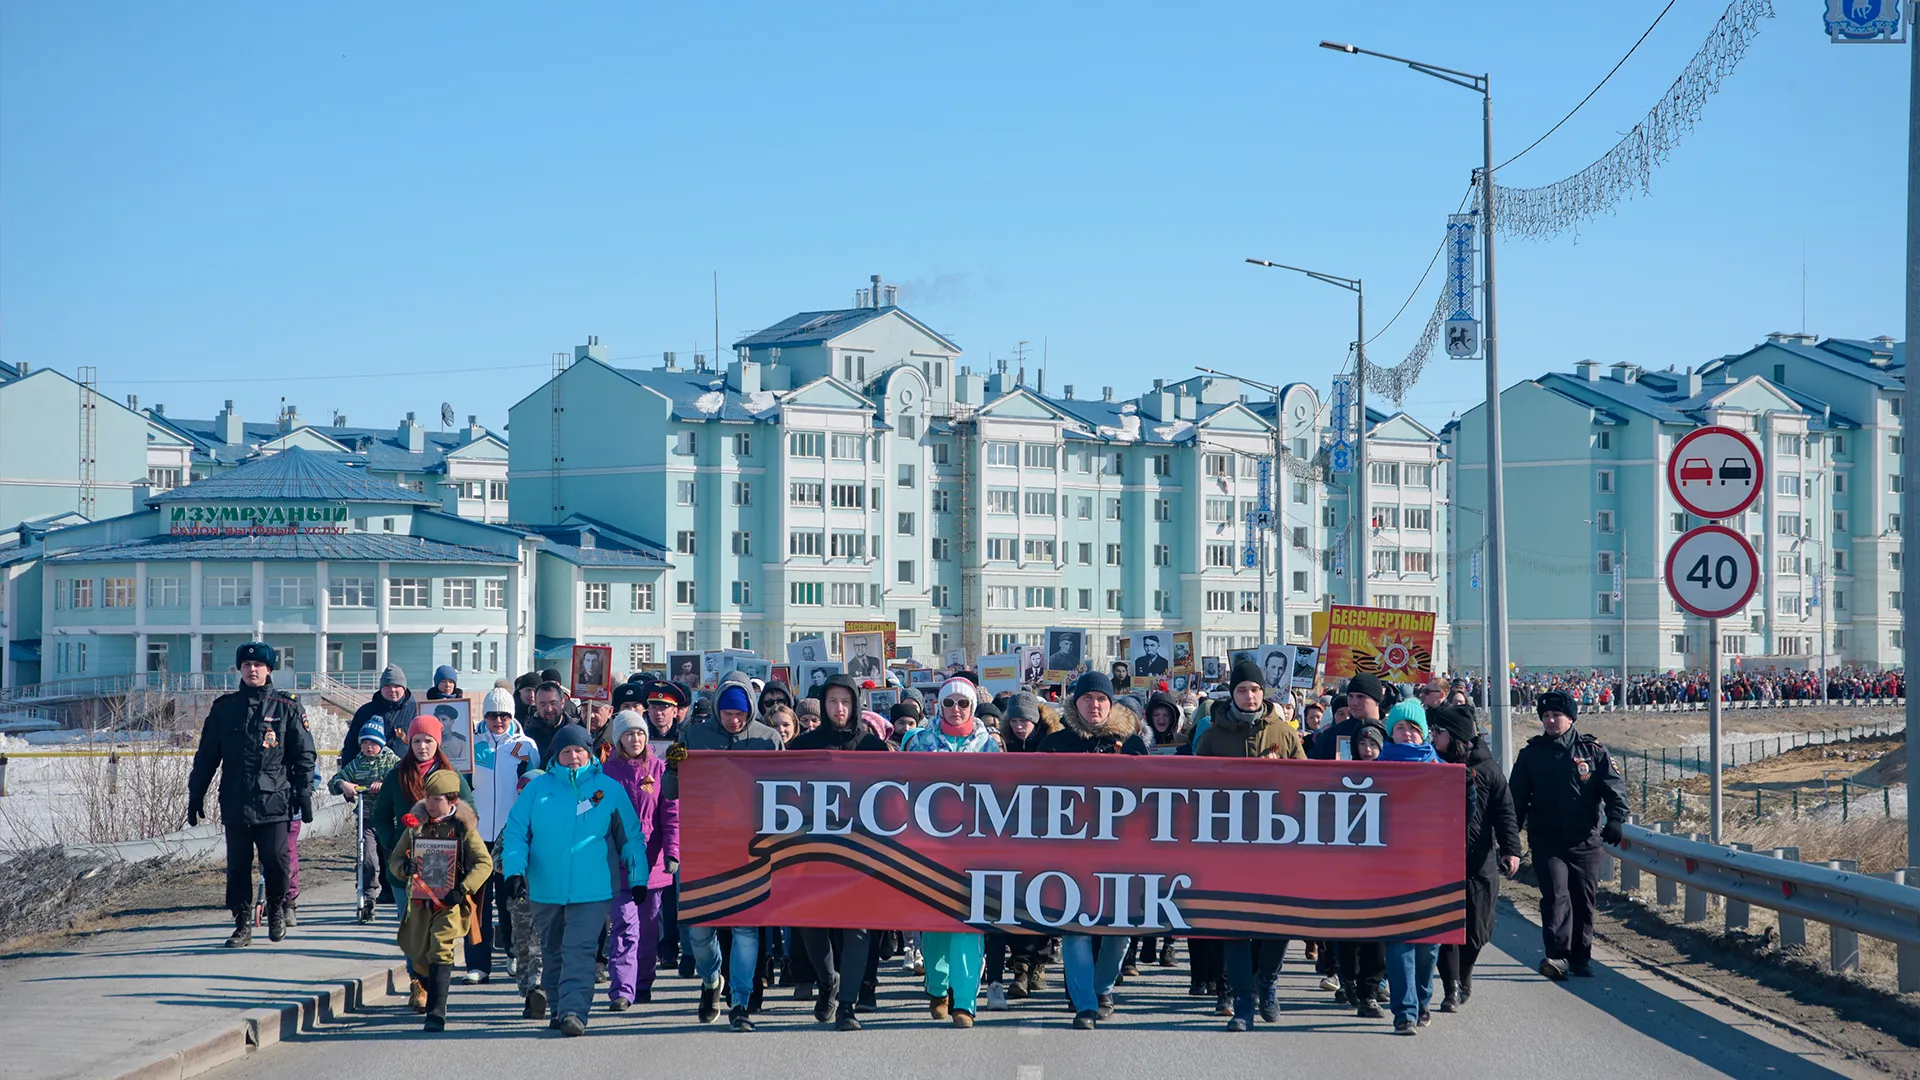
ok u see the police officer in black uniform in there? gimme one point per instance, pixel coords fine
(258, 739)
(1562, 781)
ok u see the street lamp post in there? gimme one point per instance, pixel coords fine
(1360, 514)
(1820, 599)
(1496, 461)
(1485, 694)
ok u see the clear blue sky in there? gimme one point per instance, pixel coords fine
(198, 193)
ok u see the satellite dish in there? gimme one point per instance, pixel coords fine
(446, 414)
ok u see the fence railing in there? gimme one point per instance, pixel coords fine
(1848, 902)
(1782, 703)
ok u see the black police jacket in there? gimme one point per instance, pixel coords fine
(1560, 787)
(260, 744)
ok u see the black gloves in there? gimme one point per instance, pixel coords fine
(516, 886)
(306, 808)
(1611, 833)
(639, 894)
(195, 811)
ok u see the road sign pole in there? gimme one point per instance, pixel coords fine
(1713, 729)
(1910, 452)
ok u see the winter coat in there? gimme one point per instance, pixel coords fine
(855, 736)
(571, 834)
(1559, 787)
(979, 741)
(1492, 831)
(393, 803)
(363, 772)
(643, 779)
(1171, 740)
(1231, 737)
(434, 694)
(499, 761)
(430, 935)
(1048, 724)
(1120, 735)
(1326, 741)
(396, 715)
(259, 742)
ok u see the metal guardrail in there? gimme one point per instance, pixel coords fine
(1775, 703)
(1849, 903)
(175, 682)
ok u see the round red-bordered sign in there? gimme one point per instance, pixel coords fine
(1715, 472)
(1718, 571)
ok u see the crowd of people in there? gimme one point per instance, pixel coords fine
(560, 849)
(1603, 689)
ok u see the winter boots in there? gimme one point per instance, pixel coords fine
(536, 1008)
(439, 980)
(276, 921)
(242, 931)
(1017, 989)
(366, 911)
(287, 907)
(417, 995)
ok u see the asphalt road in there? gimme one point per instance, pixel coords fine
(1622, 1023)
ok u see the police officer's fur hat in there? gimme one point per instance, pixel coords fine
(258, 651)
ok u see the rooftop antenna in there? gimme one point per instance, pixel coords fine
(1803, 285)
(716, 316)
(446, 415)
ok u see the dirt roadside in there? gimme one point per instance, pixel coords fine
(1653, 730)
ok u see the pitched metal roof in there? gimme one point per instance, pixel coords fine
(586, 541)
(341, 547)
(293, 474)
(379, 448)
(703, 395)
(817, 327)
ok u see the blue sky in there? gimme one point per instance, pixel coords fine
(226, 200)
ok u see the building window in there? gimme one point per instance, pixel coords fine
(848, 447)
(369, 657)
(1084, 599)
(909, 427)
(215, 592)
(1218, 465)
(1119, 465)
(1386, 517)
(1420, 476)
(1606, 644)
(742, 639)
(905, 568)
(1787, 524)
(1603, 521)
(1113, 599)
(687, 443)
(1163, 509)
(497, 492)
(1002, 500)
(639, 655)
(351, 592)
(906, 476)
(1113, 554)
(683, 542)
(1300, 492)
(1603, 562)
(1839, 478)
(939, 595)
(683, 492)
(457, 593)
(742, 593)
(1040, 598)
(1603, 481)
(1084, 554)
(1162, 600)
(804, 593)
(1219, 511)
(409, 592)
(1895, 484)
(805, 493)
(1839, 521)
(684, 593)
(1163, 464)
(1787, 445)
(1386, 562)
(1786, 605)
(1003, 598)
(683, 640)
(1003, 453)
(117, 592)
(803, 542)
(496, 594)
(742, 445)
(1038, 455)
(458, 650)
(598, 596)
(942, 549)
(80, 593)
(1789, 563)
(1162, 555)
(1299, 581)
(1219, 556)
(162, 480)
(806, 444)
(1604, 603)
(290, 592)
(1603, 440)
(1040, 503)
(849, 545)
(1000, 548)
(386, 524)
(1677, 521)
(1385, 473)
(1786, 484)
(1113, 509)
(849, 497)
(1219, 601)
(165, 591)
(1417, 517)
(942, 501)
(1038, 548)
(1416, 562)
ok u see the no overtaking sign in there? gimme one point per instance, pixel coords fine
(1715, 472)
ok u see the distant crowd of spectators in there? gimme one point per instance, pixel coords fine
(1602, 688)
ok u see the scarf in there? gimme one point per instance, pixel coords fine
(958, 731)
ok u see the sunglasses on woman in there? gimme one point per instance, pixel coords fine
(957, 703)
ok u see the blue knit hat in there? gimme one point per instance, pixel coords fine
(568, 735)
(445, 673)
(1411, 711)
(375, 731)
(734, 699)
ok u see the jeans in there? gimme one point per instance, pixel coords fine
(1091, 972)
(633, 946)
(569, 938)
(1410, 978)
(1252, 966)
(953, 965)
(742, 966)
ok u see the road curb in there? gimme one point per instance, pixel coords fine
(256, 1029)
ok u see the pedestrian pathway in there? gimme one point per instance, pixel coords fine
(101, 1004)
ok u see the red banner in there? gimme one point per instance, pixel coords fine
(1079, 843)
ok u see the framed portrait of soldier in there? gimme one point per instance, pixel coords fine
(1210, 669)
(809, 679)
(1234, 656)
(592, 673)
(456, 729)
(1150, 654)
(1066, 651)
(751, 666)
(684, 668)
(1033, 664)
(812, 650)
(864, 656)
(713, 664)
(1276, 666)
(883, 701)
(1306, 666)
(1182, 652)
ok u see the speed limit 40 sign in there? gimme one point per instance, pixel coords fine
(1712, 571)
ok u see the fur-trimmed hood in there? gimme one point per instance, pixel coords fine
(462, 812)
(1122, 722)
(1048, 723)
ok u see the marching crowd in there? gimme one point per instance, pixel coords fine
(1603, 688)
(560, 850)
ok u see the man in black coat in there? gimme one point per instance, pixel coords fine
(1569, 796)
(393, 705)
(1367, 699)
(258, 740)
(1493, 843)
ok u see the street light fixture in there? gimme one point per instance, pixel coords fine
(1496, 460)
(1360, 514)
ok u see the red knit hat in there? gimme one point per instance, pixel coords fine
(424, 725)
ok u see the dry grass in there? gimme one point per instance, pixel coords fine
(1877, 844)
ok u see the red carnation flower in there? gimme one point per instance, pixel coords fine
(410, 821)
(869, 685)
